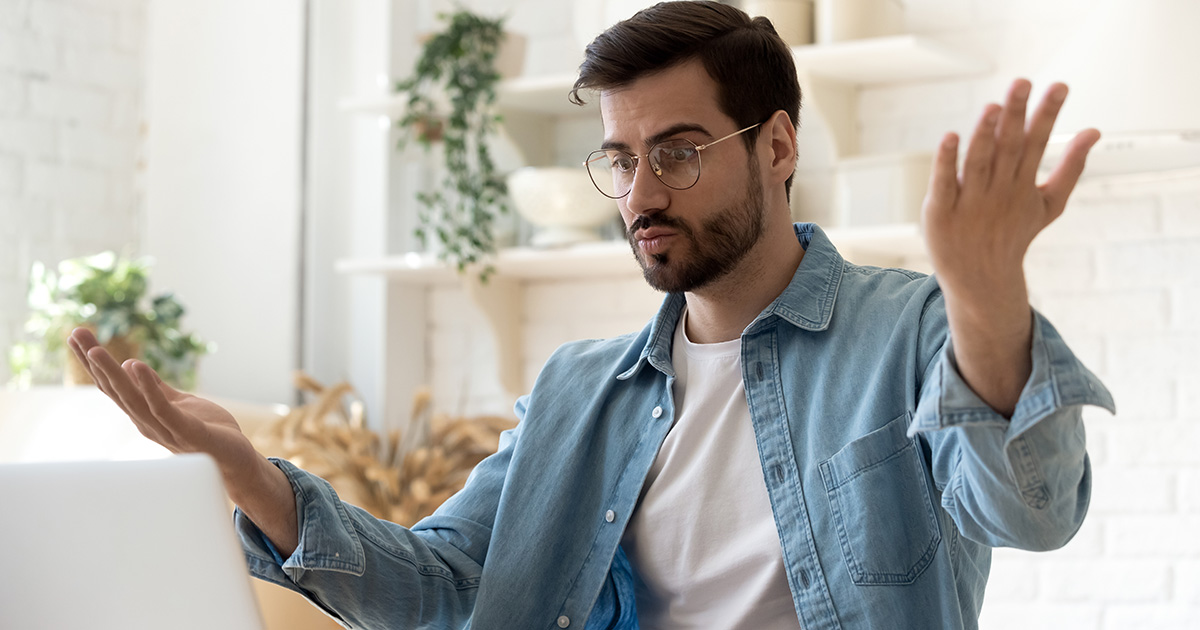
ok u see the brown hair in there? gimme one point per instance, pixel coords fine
(752, 66)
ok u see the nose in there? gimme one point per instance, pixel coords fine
(648, 194)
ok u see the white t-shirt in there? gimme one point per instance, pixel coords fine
(702, 540)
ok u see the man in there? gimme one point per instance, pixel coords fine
(793, 441)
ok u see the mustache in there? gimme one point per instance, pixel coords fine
(645, 221)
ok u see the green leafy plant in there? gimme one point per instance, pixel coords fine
(457, 66)
(108, 294)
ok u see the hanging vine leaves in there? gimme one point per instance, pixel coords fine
(459, 64)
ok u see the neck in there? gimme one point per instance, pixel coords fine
(721, 310)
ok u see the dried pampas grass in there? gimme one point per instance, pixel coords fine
(403, 476)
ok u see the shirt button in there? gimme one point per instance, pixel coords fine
(564, 621)
(657, 413)
(610, 516)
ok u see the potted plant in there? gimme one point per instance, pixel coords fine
(457, 70)
(107, 294)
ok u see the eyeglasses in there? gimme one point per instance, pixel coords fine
(676, 163)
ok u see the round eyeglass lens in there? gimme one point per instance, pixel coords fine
(611, 171)
(677, 163)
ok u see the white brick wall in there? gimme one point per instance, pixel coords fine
(71, 76)
(1118, 276)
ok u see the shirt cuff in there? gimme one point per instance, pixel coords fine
(327, 542)
(1058, 380)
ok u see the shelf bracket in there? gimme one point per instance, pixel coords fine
(500, 301)
(836, 104)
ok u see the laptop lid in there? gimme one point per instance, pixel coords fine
(131, 545)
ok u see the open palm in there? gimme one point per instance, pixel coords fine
(179, 421)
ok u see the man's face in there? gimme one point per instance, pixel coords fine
(684, 239)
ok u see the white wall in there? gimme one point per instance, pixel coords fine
(224, 102)
(71, 85)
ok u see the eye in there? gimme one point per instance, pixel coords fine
(622, 163)
(680, 154)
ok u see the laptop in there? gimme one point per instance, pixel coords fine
(121, 544)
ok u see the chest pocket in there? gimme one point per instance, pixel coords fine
(882, 508)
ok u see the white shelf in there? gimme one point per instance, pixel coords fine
(546, 95)
(879, 60)
(613, 258)
(590, 260)
(883, 60)
(543, 95)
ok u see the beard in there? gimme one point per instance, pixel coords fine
(716, 246)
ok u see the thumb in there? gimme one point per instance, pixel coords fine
(1062, 180)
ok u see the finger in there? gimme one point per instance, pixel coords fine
(1010, 133)
(169, 392)
(85, 337)
(128, 394)
(101, 379)
(1040, 127)
(155, 392)
(977, 167)
(162, 416)
(1062, 181)
(81, 356)
(85, 340)
(97, 357)
(943, 179)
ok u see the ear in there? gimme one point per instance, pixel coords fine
(780, 137)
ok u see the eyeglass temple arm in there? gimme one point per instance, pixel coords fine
(705, 146)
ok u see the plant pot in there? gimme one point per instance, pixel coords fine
(510, 58)
(792, 19)
(121, 348)
(846, 20)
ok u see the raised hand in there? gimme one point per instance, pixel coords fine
(185, 423)
(978, 226)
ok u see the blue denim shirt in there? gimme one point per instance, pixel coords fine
(889, 479)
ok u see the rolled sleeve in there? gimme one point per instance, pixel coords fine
(1023, 482)
(425, 578)
(327, 540)
(1057, 380)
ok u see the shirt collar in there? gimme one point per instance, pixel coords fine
(808, 300)
(806, 303)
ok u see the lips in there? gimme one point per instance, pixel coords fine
(652, 233)
(653, 240)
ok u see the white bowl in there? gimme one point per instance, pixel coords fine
(561, 202)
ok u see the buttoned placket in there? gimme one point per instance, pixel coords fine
(638, 466)
(769, 418)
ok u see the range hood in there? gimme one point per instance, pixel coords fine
(1131, 69)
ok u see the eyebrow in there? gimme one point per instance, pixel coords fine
(673, 130)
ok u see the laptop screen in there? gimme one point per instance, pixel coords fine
(128, 544)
